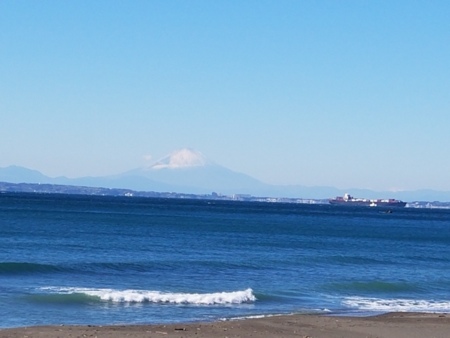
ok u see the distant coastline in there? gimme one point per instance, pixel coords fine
(210, 181)
(6, 187)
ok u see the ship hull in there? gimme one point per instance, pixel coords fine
(349, 200)
(398, 204)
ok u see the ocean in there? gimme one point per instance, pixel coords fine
(72, 259)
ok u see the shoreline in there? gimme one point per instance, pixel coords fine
(389, 325)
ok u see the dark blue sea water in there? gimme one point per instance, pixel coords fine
(68, 259)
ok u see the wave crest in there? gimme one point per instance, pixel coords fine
(145, 296)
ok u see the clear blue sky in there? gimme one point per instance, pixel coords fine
(337, 93)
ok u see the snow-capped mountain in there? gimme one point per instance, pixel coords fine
(183, 171)
(189, 171)
(183, 158)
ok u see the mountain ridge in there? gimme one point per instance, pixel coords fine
(190, 172)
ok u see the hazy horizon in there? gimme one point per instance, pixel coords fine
(340, 94)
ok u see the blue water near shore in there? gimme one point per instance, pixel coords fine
(111, 260)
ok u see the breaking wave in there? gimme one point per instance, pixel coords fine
(146, 296)
(396, 305)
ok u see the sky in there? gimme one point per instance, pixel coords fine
(349, 94)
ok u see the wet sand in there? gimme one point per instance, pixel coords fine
(392, 325)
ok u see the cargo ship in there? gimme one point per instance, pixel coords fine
(350, 201)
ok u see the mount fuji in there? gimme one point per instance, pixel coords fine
(189, 171)
(183, 171)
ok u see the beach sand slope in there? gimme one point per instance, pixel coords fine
(392, 325)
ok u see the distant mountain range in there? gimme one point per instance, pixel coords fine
(189, 171)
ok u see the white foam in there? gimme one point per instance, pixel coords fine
(399, 305)
(146, 296)
(251, 317)
(318, 311)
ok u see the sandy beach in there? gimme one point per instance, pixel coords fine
(392, 325)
